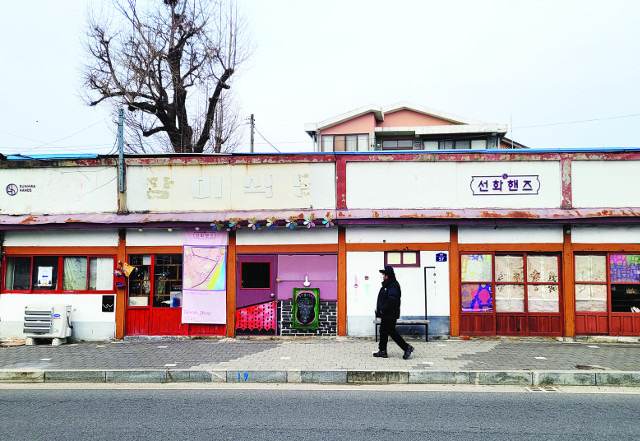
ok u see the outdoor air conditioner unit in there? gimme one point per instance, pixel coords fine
(47, 321)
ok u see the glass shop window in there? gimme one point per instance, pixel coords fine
(255, 275)
(624, 270)
(517, 283)
(17, 274)
(591, 283)
(159, 274)
(59, 273)
(476, 288)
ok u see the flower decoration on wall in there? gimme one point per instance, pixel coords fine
(233, 224)
(327, 221)
(253, 224)
(308, 221)
(217, 225)
(291, 222)
(271, 223)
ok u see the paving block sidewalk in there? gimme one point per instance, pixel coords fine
(326, 360)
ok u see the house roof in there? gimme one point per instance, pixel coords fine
(380, 111)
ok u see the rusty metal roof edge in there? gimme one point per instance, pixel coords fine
(345, 217)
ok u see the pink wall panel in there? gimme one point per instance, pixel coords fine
(362, 124)
(408, 118)
(321, 271)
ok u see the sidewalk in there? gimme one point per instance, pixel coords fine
(526, 362)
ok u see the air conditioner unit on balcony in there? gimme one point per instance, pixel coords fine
(47, 321)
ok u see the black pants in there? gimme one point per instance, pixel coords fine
(388, 329)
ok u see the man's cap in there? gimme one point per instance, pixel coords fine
(388, 270)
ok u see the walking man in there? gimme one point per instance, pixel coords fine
(388, 309)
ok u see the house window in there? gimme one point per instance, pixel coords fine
(461, 144)
(153, 279)
(397, 144)
(345, 143)
(510, 283)
(402, 258)
(59, 273)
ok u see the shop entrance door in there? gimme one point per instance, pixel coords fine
(256, 307)
(154, 298)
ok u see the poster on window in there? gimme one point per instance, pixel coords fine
(45, 276)
(204, 284)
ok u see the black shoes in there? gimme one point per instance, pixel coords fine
(383, 354)
(408, 352)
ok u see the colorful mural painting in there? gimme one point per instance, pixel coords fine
(257, 319)
(625, 268)
(477, 267)
(476, 297)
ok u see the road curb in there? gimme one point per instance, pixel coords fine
(338, 376)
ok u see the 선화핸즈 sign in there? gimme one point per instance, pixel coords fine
(505, 184)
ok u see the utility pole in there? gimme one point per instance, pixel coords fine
(120, 151)
(253, 124)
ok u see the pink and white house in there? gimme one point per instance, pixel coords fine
(404, 126)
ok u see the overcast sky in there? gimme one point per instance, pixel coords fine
(559, 73)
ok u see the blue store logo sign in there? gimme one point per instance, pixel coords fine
(12, 189)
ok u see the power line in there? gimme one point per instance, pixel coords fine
(262, 136)
(66, 137)
(578, 122)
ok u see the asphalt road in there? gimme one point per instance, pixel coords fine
(316, 414)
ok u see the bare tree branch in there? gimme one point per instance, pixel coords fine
(157, 61)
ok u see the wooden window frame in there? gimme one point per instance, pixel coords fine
(525, 282)
(152, 277)
(59, 274)
(402, 253)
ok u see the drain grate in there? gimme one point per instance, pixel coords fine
(542, 389)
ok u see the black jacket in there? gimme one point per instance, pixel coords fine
(388, 306)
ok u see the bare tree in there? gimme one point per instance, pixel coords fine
(170, 64)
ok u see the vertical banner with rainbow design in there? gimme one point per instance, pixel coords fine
(204, 279)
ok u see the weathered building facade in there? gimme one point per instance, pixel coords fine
(500, 242)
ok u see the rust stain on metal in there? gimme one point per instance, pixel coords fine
(523, 214)
(490, 214)
(29, 220)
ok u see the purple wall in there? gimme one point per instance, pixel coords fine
(322, 271)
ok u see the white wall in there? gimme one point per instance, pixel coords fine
(605, 184)
(87, 318)
(60, 190)
(605, 234)
(395, 234)
(286, 236)
(61, 238)
(226, 187)
(541, 234)
(364, 281)
(154, 237)
(424, 185)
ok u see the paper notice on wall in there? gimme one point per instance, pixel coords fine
(45, 276)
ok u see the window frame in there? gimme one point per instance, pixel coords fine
(344, 140)
(151, 296)
(525, 283)
(59, 274)
(402, 264)
(606, 283)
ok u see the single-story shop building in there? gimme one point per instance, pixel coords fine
(518, 242)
